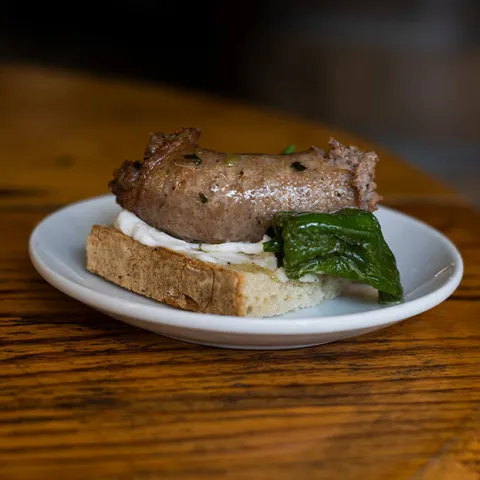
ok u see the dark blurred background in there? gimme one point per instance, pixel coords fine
(403, 74)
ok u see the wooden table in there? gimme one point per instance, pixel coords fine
(83, 396)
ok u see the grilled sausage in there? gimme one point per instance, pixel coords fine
(211, 197)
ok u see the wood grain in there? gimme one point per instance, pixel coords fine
(84, 396)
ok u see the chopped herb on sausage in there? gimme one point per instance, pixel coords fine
(231, 160)
(194, 157)
(203, 198)
(299, 167)
(288, 150)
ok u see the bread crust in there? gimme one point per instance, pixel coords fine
(164, 275)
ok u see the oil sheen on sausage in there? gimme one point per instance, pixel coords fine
(206, 196)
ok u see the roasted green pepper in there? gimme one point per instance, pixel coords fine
(348, 244)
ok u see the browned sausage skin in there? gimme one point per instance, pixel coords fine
(206, 196)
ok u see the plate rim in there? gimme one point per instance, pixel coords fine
(163, 314)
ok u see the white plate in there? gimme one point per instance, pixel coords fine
(430, 267)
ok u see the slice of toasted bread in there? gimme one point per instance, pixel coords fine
(184, 282)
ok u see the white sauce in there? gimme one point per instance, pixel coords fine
(237, 253)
